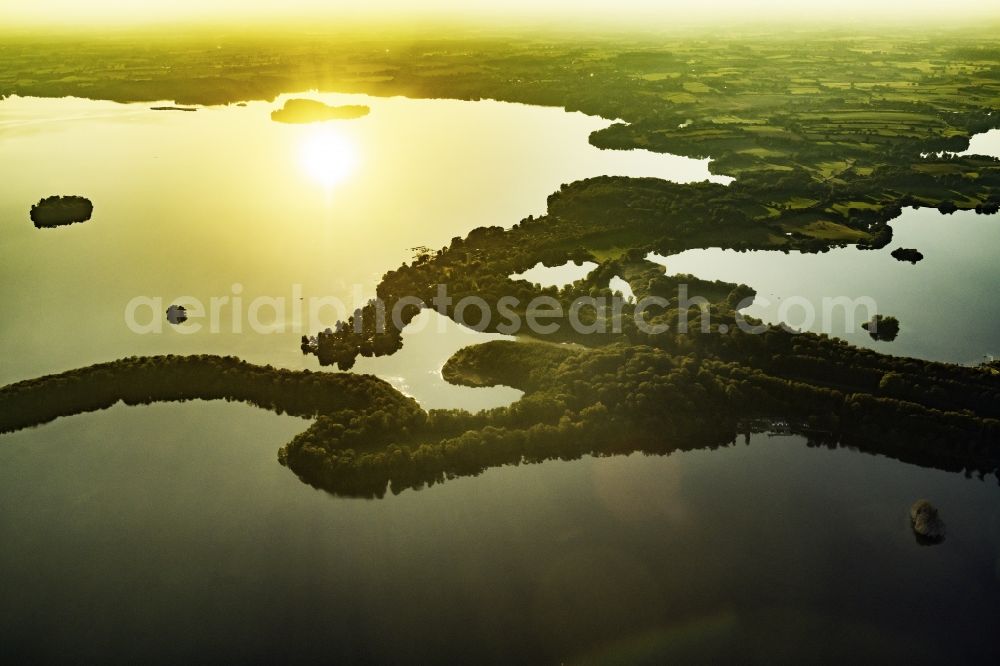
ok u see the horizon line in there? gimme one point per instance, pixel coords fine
(598, 25)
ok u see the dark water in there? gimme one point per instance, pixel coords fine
(170, 532)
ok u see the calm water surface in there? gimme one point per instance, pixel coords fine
(170, 531)
(945, 304)
(224, 203)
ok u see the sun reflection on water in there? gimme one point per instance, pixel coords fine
(328, 156)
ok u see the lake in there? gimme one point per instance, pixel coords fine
(224, 203)
(170, 532)
(945, 303)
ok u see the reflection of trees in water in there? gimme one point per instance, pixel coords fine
(368, 437)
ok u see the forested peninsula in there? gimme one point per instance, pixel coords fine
(367, 438)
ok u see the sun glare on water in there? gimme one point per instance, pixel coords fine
(327, 156)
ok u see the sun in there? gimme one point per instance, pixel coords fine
(327, 156)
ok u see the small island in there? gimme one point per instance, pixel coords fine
(882, 328)
(58, 211)
(926, 523)
(312, 111)
(173, 108)
(907, 254)
(177, 314)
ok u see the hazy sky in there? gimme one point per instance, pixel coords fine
(36, 12)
